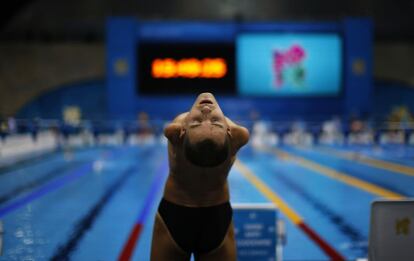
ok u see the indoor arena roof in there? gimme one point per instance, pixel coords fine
(84, 20)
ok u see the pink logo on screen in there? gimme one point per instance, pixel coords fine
(288, 67)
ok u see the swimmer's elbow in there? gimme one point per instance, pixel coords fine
(172, 132)
(240, 136)
(245, 136)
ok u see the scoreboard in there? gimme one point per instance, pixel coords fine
(186, 68)
(254, 64)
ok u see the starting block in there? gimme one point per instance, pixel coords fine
(259, 234)
(391, 233)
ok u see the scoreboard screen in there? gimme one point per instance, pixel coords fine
(185, 68)
(295, 64)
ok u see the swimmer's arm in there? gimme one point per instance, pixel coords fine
(173, 131)
(239, 135)
(180, 118)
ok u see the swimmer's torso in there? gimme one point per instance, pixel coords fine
(195, 186)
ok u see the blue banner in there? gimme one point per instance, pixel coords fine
(276, 64)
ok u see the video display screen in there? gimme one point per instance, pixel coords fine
(186, 68)
(281, 64)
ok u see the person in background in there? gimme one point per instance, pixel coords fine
(332, 132)
(360, 132)
(3, 130)
(12, 126)
(262, 134)
(144, 130)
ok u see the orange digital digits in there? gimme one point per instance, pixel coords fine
(189, 68)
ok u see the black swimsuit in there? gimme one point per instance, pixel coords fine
(196, 229)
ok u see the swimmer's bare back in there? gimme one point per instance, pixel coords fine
(190, 184)
(194, 216)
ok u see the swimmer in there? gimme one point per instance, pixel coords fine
(195, 216)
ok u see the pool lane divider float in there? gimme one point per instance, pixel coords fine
(129, 246)
(289, 212)
(347, 229)
(64, 251)
(337, 175)
(52, 186)
(24, 163)
(376, 163)
(46, 189)
(50, 175)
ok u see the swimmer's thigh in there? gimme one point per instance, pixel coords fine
(163, 247)
(226, 251)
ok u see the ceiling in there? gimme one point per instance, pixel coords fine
(84, 20)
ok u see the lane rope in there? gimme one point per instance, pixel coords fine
(289, 212)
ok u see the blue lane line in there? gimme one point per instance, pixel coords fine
(156, 185)
(130, 245)
(120, 214)
(52, 186)
(65, 250)
(50, 175)
(27, 162)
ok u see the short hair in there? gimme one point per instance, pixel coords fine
(206, 153)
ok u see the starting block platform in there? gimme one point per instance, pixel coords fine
(259, 235)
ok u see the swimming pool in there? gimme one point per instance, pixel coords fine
(98, 203)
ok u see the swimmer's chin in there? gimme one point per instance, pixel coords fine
(206, 99)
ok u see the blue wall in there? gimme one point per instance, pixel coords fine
(115, 97)
(89, 96)
(124, 33)
(388, 95)
(358, 39)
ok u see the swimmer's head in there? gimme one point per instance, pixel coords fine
(207, 152)
(206, 140)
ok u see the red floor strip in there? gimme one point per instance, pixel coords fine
(130, 245)
(332, 253)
